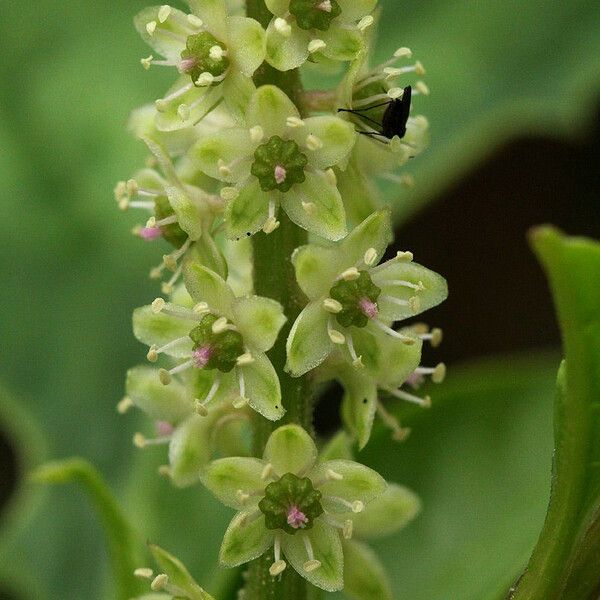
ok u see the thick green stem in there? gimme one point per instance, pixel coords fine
(274, 277)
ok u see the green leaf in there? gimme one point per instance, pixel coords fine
(244, 540)
(563, 563)
(290, 450)
(123, 543)
(178, 574)
(364, 575)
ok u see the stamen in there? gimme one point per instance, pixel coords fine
(311, 564)
(242, 400)
(370, 257)
(331, 176)
(160, 306)
(356, 506)
(257, 134)
(421, 88)
(435, 337)
(365, 22)
(167, 287)
(332, 306)
(154, 351)
(151, 27)
(313, 142)
(419, 287)
(144, 573)
(279, 565)
(244, 359)
(160, 582)
(294, 122)
(282, 27)
(229, 193)
(316, 45)
(309, 207)
(220, 325)
(396, 334)
(357, 362)
(162, 104)
(402, 395)
(163, 13)
(124, 405)
(184, 112)
(271, 224)
(267, 472)
(413, 303)
(438, 373)
(140, 441)
(400, 257)
(195, 21)
(399, 434)
(350, 274)
(201, 406)
(337, 337)
(217, 53)
(325, 6)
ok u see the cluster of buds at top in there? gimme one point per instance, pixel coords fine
(230, 160)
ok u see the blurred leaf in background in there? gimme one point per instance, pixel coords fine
(71, 274)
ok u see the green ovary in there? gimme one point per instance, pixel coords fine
(358, 298)
(279, 164)
(215, 350)
(291, 504)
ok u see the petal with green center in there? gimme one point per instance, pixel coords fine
(364, 575)
(339, 446)
(246, 538)
(160, 329)
(237, 91)
(317, 268)
(327, 549)
(356, 483)
(308, 344)
(190, 216)
(205, 285)
(353, 10)
(270, 108)
(214, 16)
(248, 211)
(392, 277)
(374, 232)
(190, 450)
(168, 38)
(286, 52)
(170, 403)
(359, 404)
(247, 43)
(316, 205)
(388, 360)
(337, 139)
(259, 320)
(207, 253)
(230, 478)
(392, 511)
(278, 7)
(290, 450)
(262, 387)
(225, 155)
(342, 44)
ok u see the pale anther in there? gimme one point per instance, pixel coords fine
(311, 565)
(216, 52)
(271, 224)
(267, 472)
(146, 62)
(164, 376)
(313, 142)
(294, 122)
(309, 207)
(195, 21)
(144, 573)
(395, 93)
(158, 305)
(334, 475)
(439, 373)
(403, 53)
(239, 402)
(163, 13)
(419, 68)
(277, 568)
(257, 133)
(316, 45)
(331, 176)
(139, 441)
(151, 27)
(365, 22)
(220, 325)
(350, 274)
(124, 405)
(332, 306)
(229, 193)
(159, 582)
(358, 506)
(205, 79)
(184, 112)
(152, 355)
(200, 408)
(370, 257)
(337, 337)
(244, 359)
(282, 27)
(422, 88)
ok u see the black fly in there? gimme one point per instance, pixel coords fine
(393, 122)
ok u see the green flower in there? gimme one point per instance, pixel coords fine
(365, 578)
(192, 438)
(223, 335)
(178, 211)
(331, 28)
(292, 502)
(216, 54)
(369, 92)
(353, 302)
(279, 159)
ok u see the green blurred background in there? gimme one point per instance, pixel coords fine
(514, 141)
